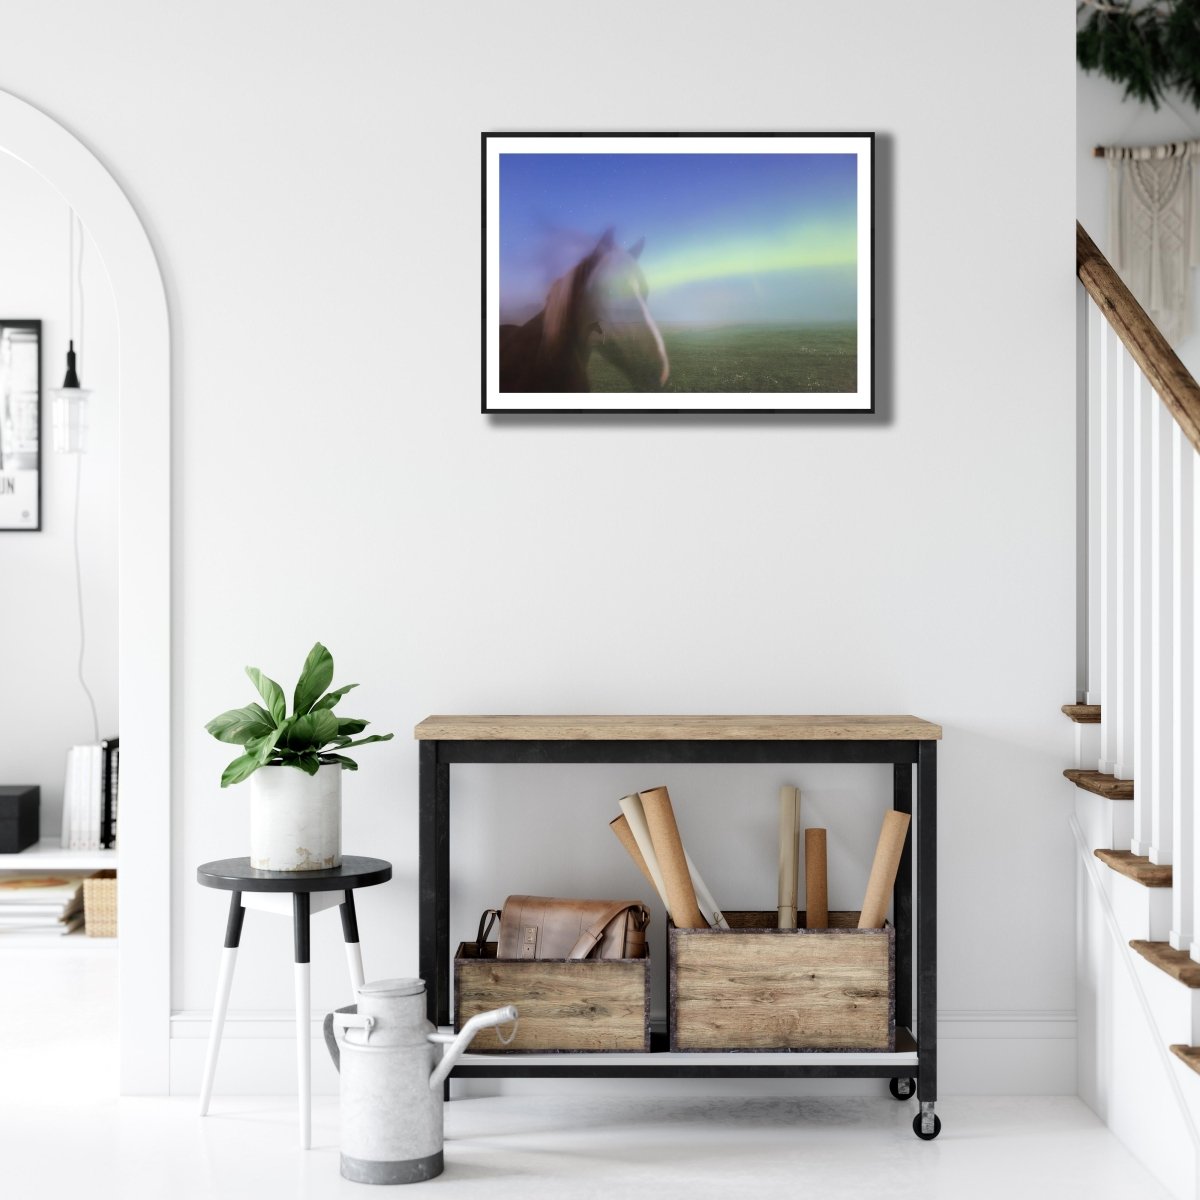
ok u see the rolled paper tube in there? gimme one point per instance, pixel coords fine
(635, 819)
(672, 862)
(789, 810)
(816, 879)
(620, 826)
(883, 869)
(704, 898)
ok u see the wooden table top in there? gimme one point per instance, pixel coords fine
(677, 728)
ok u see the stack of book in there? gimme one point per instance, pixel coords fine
(46, 902)
(90, 796)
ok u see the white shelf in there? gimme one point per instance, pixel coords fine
(667, 1059)
(58, 941)
(48, 855)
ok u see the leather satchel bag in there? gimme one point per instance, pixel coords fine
(542, 927)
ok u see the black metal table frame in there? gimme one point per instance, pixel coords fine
(438, 755)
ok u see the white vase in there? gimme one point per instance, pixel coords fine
(296, 818)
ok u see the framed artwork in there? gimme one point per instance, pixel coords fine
(20, 425)
(678, 273)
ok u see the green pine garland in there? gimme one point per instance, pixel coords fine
(1150, 48)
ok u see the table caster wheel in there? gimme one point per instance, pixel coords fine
(902, 1089)
(927, 1137)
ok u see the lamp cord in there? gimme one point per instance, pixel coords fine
(71, 219)
(74, 271)
(79, 598)
(79, 352)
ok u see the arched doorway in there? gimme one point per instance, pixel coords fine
(143, 577)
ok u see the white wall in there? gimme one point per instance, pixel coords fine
(1105, 118)
(43, 709)
(312, 186)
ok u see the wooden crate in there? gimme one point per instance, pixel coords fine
(600, 1005)
(756, 987)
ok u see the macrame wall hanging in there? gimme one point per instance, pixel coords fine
(1154, 227)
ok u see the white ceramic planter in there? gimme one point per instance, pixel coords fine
(296, 819)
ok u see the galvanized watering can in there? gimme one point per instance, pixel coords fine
(392, 1070)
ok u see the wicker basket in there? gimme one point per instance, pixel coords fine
(100, 904)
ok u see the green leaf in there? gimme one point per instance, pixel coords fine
(241, 768)
(348, 764)
(375, 737)
(331, 698)
(351, 725)
(315, 677)
(263, 748)
(271, 692)
(241, 725)
(311, 731)
(309, 763)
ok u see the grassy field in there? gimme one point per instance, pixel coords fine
(750, 358)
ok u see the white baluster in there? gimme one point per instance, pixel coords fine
(1126, 377)
(1109, 522)
(1183, 799)
(1146, 405)
(1096, 343)
(1162, 603)
(1194, 677)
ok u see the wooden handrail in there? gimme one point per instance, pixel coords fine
(1146, 345)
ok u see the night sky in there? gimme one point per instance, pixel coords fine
(730, 238)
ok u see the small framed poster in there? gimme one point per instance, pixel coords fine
(20, 425)
(678, 273)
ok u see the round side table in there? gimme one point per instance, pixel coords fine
(310, 891)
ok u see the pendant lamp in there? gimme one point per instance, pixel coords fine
(70, 402)
(70, 410)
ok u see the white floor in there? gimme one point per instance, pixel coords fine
(62, 1134)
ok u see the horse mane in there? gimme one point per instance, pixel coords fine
(561, 312)
(556, 316)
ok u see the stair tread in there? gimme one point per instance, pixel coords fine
(1083, 714)
(1103, 785)
(1176, 963)
(1189, 1054)
(1136, 867)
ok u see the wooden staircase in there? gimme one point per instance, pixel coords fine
(1178, 964)
(1136, 716)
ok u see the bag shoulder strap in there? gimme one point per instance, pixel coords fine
(485, 927)
(595, 931)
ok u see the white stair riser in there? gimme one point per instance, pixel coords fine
(1107, 824)
(1087, 746)
(1176, 1007)
(1142, 913)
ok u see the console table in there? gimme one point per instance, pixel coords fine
(903, 741)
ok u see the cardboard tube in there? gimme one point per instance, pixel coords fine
(789, 812)
(883, 869)
(635, 819)
(668, 848)
(816, 880)
(620, 826)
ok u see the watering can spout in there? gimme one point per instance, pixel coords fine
(454, 1051)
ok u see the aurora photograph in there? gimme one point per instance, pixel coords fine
(676, 280)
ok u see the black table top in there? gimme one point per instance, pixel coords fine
(237, 875)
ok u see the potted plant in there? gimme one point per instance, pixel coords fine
(294, 764)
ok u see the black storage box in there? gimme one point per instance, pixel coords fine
(19, 816)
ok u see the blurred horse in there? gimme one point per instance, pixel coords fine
(600, 305)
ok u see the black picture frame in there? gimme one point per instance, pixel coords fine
(549, 399)
(21, 422)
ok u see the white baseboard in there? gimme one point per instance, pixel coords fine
(980, 1053)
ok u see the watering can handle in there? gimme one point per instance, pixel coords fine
(331, 1038)
(331, 1042)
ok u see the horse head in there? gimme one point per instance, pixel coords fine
(601, 305)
